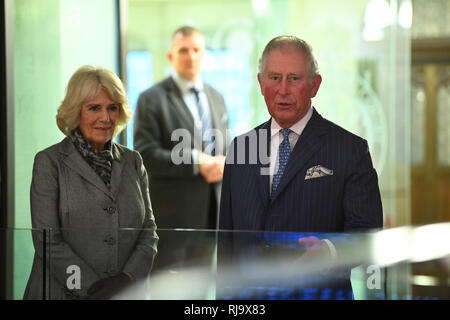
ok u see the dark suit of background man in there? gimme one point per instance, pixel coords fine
(183, 195)
(329, 183)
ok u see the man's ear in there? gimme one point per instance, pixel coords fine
(316, 85)
(260, 80)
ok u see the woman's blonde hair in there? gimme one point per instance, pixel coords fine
(84, 85)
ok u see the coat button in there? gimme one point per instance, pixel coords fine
(111, 210)
(111, 241)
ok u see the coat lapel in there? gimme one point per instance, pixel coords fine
(76, 162)
(307, 145)
(117, 169)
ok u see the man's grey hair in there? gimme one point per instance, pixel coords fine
(294, 43)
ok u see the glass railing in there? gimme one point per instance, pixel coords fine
(98, 263)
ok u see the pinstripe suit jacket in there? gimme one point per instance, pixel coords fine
(346, 201)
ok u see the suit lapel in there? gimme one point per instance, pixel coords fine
(307, 145)
(178, 103)
(262, 169)
(181, 109)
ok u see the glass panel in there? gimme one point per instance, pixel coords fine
(363, 59)
(363, 52)
(228, 71)
(208, 265)
(51, 40)
(89, 263)
(211, 265)
(272, 265)
(19, 262)
(139, 78)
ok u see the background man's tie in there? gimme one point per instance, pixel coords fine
(284, 151)
(203, 112)
(204, 115)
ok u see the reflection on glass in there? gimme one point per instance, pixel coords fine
(228, 72)
(418, 116)
(431, 19)
(223, 265)
(139, 78)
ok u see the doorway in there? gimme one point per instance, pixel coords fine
(430, 153)
(430, 132)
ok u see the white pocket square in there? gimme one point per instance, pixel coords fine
(317, 172)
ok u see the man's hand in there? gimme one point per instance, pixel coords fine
(316, 249)
(211, 167)
(310, 243)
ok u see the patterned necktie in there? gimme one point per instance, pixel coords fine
(284, 151)
(204, 116)
(203, 112)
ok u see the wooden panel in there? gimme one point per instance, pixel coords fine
(430, 182)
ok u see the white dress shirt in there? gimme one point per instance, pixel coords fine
(190, 98)
(276, 138)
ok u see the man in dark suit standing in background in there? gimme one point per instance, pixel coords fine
(185, 194)
(318, 177)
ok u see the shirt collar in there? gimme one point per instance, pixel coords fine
(184, 85)
(298, 127)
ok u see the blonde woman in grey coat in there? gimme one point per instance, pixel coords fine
(85, 190)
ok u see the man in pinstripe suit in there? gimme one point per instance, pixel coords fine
(298, 172)
(328, 183)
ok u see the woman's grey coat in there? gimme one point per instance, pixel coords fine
(82, 218)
